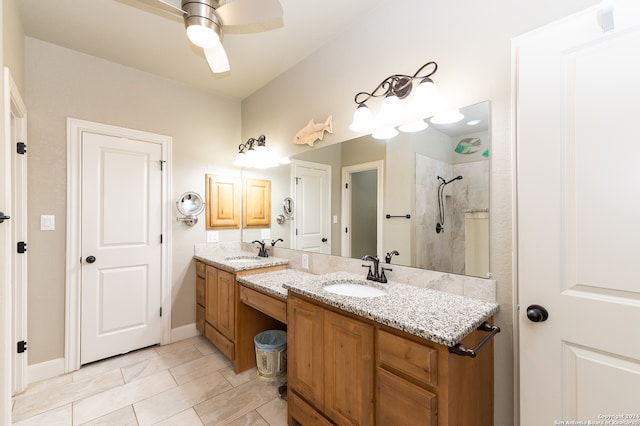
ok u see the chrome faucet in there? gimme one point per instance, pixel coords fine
(377, 274)
(263, 250)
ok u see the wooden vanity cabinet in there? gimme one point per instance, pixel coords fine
(332, 369)
(200, 296)
(347, 370)
(229, 324)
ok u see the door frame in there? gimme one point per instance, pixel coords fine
(75, 128)
(347, 171)
(13, 132)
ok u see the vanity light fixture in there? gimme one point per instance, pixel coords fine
(394, 115)
(254, 153)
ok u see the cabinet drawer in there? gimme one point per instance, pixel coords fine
(200, 269)
(301, 413)
(225, 345)
(402, 403)
(269, 305)
(406, 356)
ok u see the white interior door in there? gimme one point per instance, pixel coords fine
(312, 204)
(578, 204)
(121, 245)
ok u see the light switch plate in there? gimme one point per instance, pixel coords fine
(213, 236)
(305, 261)
(47, 222)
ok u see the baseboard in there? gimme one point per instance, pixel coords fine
(184, 332)
(45, 370)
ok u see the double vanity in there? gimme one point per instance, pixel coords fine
(359, 352)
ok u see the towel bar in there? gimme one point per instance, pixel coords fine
(407, 216)
(462, 350)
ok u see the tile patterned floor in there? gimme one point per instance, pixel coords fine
(185, 383)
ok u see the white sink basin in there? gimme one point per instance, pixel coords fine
(355, 290)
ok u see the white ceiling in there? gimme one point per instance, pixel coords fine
(134, 34)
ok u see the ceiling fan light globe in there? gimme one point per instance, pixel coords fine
(203, 36)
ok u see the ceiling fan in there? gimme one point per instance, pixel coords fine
(204, 21)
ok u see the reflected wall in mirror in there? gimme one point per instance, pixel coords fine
(417, 179)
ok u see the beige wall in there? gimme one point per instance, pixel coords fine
(13, 42)
(470, 40)
(61, 83)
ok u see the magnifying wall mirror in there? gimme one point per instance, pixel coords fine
(190, 205)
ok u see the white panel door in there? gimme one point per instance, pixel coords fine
(312, 207)
(578, 227)
(121, 245)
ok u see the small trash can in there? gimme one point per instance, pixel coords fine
(271, 353)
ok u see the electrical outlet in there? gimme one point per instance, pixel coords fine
(213, 236)
(265, 233)
(305, 261)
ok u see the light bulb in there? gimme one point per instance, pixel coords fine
(414, 126)
(203, 36)
(447, 117)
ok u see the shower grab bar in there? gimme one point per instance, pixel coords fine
(462, 350)
(406, 216)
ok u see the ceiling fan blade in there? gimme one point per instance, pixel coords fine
(217, 59)
(246, 12)
(171, 6)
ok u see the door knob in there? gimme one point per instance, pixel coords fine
(90, 259)
(324, 240)
(4, 217)
(537, 313)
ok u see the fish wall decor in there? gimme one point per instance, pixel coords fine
(313, 131)
(468, 146)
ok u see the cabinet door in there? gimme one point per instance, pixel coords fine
(305, 347)
(348, 366)
(222, 202)
(257, 203)
(399, 402)
(226, 311)
(211, 295)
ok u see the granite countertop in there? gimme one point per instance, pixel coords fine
(273, 282)
(434, 315)
(234, 261)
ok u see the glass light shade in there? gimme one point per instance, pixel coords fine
(203, 36)
(362, 119)
(241, 160)
(447, 117)
(426, 91)
(387, 132)
(414, 126)
(390, 111)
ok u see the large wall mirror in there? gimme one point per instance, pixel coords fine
(424, 195)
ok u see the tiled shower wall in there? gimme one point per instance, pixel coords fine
(445, 251)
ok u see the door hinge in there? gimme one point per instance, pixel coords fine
(21, 148)
(21, 347)
(162, 164)
(346, 186)
(22, 247)
(160, 310)
(160, 238)
(346, 230)
(297, 178)
(296, 231)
